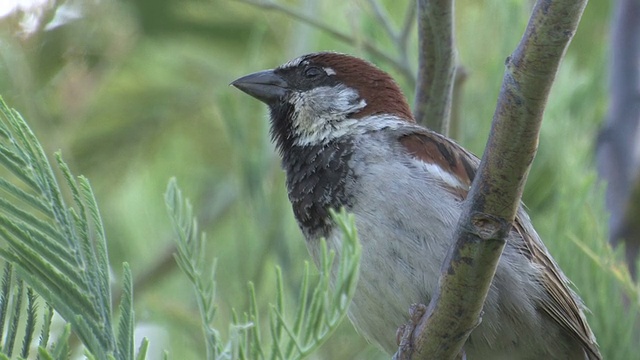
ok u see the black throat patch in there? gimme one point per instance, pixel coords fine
(317, 177)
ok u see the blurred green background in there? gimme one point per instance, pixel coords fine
(135, 92)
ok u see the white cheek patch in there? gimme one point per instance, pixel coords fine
(318, 130)
(321, 114)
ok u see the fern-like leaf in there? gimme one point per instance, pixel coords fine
(4, 296)
(190, 259)
(59, 250)
(316, 317)
(126, 325)
(46, 328)
(30, 325)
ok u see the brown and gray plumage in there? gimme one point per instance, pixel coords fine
(347, 138)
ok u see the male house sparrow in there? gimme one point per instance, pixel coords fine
(347, 138)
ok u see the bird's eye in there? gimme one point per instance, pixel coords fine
(313, 72)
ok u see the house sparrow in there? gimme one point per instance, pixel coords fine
(348, 139)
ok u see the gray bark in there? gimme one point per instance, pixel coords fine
(618, 148)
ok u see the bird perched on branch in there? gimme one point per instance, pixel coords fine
(348, 139)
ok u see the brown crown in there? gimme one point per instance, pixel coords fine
(376, 87)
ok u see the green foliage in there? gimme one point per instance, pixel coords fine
(137, 93)
(58, 250)
(60, 348)
(317, 315)
(573, 220)
(191, 260)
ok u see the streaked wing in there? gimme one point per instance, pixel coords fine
(562, 306)
(460, 166)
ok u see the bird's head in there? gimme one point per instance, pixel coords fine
(320, 97)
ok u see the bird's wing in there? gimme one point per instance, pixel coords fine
(561, 304)
(448, 157)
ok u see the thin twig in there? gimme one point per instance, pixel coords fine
(383, 19)
(400, 38)
(403, 37)
(407, 24)
(455, 123)
(402, 68)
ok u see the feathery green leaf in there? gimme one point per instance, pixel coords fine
(30, 325)
(60, 251)
(126, 325)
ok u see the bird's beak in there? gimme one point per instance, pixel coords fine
(265, 86)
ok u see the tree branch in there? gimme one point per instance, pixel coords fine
(455, 122)
(629, 230)
(616, 156)
(491, 206)
(407, 24)
(384, 20)
(403, 37)
(436, 64)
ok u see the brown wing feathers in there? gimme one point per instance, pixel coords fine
(562, 307)
(434, 149)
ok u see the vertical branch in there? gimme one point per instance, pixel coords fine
(455, 122)
(436, 64)
(629, 232)
(494, 198)
(616, 154)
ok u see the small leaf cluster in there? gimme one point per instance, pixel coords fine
(319, 310)
(56, 250)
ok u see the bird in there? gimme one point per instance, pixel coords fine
(347, 139)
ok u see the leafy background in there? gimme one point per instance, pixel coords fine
(135, 92)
